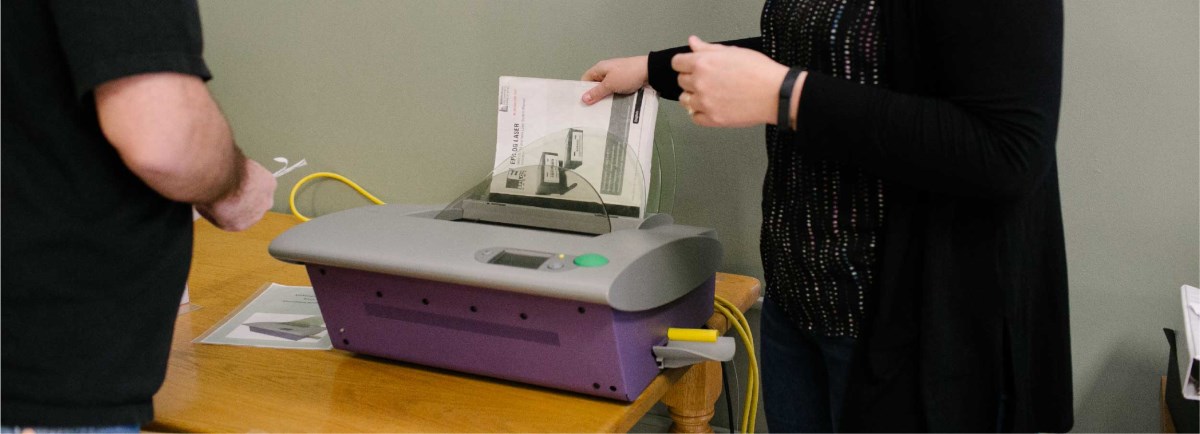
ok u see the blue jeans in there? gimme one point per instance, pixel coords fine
(803, 375)
(6, 429)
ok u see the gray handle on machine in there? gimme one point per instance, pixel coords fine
(683, 353)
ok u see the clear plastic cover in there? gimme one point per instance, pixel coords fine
(662, 176)
(575, 180)
(561, 200)
(612, 167)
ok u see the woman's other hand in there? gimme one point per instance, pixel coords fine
(728, 86)
(621, 75)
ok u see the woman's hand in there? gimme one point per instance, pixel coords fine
(728, 86)
(621, 75)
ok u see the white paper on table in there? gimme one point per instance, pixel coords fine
(272, 303)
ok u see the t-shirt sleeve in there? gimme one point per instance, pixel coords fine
(107, 40)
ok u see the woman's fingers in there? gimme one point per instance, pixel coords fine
(620, 75)
(596, 72)
(684, 63)
(699, 45)
(685, 100)
(687, 82)
(597, 93)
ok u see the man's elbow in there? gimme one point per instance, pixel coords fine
(168, 130)
(162, 170)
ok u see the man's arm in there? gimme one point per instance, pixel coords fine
(171, 134)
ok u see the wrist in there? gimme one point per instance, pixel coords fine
(235, 177)
(786, 99)
(643, 68)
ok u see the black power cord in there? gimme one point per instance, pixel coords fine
(728, 398)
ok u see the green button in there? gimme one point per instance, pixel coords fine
(590, 260)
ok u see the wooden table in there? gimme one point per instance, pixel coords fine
(245, 389)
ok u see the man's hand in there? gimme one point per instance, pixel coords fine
(728, 86)
(244, 206)
(622, 75)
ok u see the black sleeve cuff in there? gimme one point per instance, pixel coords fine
(666, 81)
(660, 75)
(833, 111)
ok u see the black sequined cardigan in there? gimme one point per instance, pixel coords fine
(972, 297)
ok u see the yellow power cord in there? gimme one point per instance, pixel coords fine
(331, 175)
(721, 305)
(739, 323)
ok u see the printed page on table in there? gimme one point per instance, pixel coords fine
(276, 316)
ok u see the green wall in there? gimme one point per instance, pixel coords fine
(399, 96)
(1128, 151)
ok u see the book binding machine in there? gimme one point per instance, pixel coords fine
(555, 288)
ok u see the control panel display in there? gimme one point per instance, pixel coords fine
(511, 259)
(527, 259)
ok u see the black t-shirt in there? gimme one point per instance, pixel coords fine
(94, 261)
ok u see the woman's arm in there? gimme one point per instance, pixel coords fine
(664, 79)
(988, 121)
(628, 74)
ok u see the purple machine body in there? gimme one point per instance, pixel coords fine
(568, 311)
(560, 343)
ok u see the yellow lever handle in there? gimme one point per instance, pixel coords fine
(693, 335)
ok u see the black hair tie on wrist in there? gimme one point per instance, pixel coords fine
(785, 98)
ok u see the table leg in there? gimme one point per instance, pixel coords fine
(692, 398)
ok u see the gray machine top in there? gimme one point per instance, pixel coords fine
(632, 268)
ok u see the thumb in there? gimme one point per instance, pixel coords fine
(596, 94)
(699, 45)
